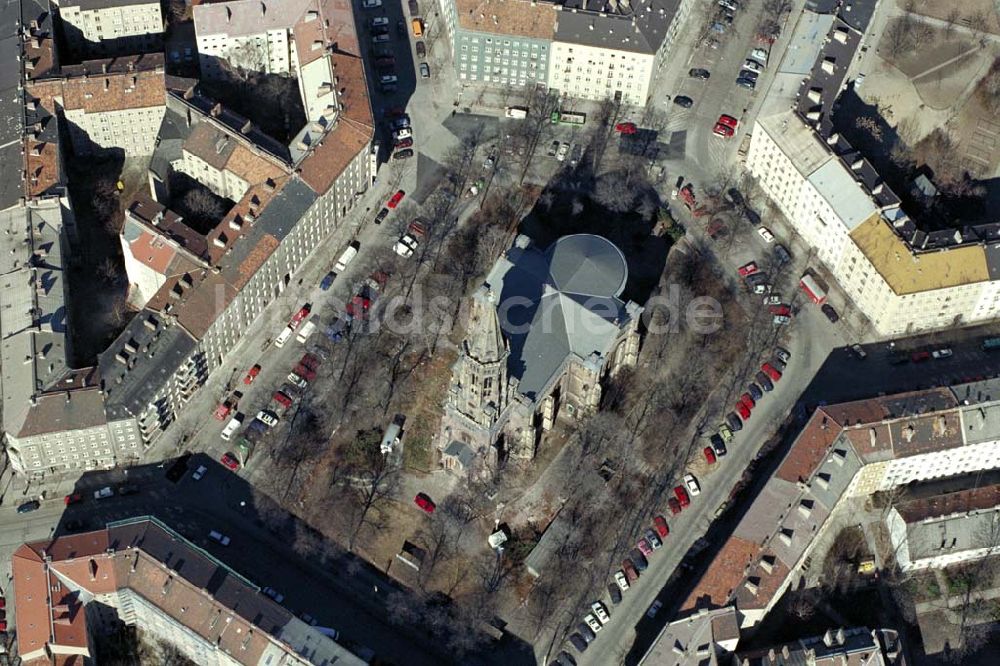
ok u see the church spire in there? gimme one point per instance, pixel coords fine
(484, 340)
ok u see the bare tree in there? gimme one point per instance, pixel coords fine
(368, 481)
(203, 203)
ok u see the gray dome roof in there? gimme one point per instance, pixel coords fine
(588, 265)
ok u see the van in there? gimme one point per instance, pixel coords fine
(418, 27)
(307, 329)
(283, 337)
(347, 256)
(231, 427)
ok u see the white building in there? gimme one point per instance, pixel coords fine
(113, 103)
(100, 26)
(834, 200)
(286, 37)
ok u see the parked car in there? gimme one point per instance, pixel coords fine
(404, 154)
(421, 50)
(425, 70)
(631, 573)
(601, 611)
(274, 594)
(747, 401)
(621, 580)
(127, 489)
(219, 536)
(742, 410)
(747, 269)
(199, 473)
(593, 622)
(425, 502)
(860, 352)
(626, 128)
(653, 539)
(699, 73)
(231, 427)
(683, 101)
(229, 461)
(674, 505)
(654, 609)
(404, 143)
(781, 254)
(744, 82)
(28, 507)
(267, 418)
(395, 199)
(771, 371)
(252, 374)
(74, 498)
(830, 313)
(772, 299)
(755, 391)
(760, 55)
(104, 493)
(644, 547)
(403, 133)
(641, 563)
(682, 496)
(764, 381)
(944, 352)
(371, 4)
(578, 642)
(615, 593)
(660, 523)
(585, 631)
(782, 354)
(748, 74)
(692, 485)
(709, 454)
(766, 234)
(753, 66)
(724, 131)
(728, 121)
(734, 422)
(382, 214)
(718, 444)
(920, 356)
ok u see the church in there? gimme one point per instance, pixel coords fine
(545, 330)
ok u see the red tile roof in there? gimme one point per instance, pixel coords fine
(809, 448)
(963, 501)
(724, 574)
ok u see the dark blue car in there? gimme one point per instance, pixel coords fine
(327, 281)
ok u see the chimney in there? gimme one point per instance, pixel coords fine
(229, 14)
(92, 566)
(833, 139)
(263, 10)
(858, 163)
(247, 126)
(785, 652)
(841, 637)
(216, 110)
(828, 639)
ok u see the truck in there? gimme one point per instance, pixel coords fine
(347, 256)
(283, 337)
(307, 330)
(812, 289)
(519, 112)
(568, 117)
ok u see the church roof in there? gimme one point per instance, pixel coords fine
(559, 304)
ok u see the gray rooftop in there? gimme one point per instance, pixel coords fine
(597, 23)
(560, 304)
(248, 17)
(33, 319)
(90, 5)
(131, 379)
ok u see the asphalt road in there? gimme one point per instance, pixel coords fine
(349, 599)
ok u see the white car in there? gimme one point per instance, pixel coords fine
(762, 289)
(199, 473)
(231, 427)
(654, 609)
(405, 246)
(379, 21)
(269, 419)
(773, 299)
(403, 133)
(621, 580)
(781, 319)
(562, 152)
(760, 55)
(104, 493)
(944, 352)
(592, 622)
(692, 485)
(274, 594)
(766, 234)
(489, 163)
(371, 4)
(753, 66)
(601, 612)
(219, 536)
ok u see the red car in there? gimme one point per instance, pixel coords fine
(644, 547)
(728, 121)
(780, 310)
(626, 128)
(396, 198)
(252, 374)
(748, 269)
(630, 573)
(742, 410)
(303, 312)
(920, 356)
(675, 506)
(358, 307)
(395, 112)
(771, 371)
(723, 130)
(230, 461)
(747, 400)
(75, 498)
(3, 625)
(282, 399)
(424, 502)
(404, 143)
(682, 496)
(709, 455)
(660, 523)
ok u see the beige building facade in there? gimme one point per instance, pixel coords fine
(99, 26)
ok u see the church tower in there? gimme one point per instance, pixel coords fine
(479, 389)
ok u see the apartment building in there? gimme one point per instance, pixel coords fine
(923, 442)
(279, 37)
(583, 48)
(199, 291)
(113, 103)
(139, 572)
(111, 26)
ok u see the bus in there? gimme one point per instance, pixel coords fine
(569, 117)
(991, 344)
